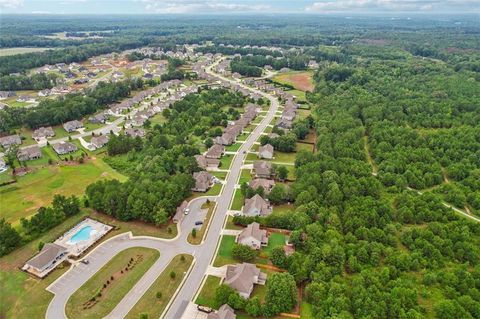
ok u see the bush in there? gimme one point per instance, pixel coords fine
(243, 253)
(172, 275)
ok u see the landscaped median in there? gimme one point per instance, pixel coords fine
(102, 292)
(155, 300)
(195, 238)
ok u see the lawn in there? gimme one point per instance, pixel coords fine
(243, 137)
(86, 302)
(207, 295)
(225, 161)
(224, 255)
(303, 113)
(158, 119)
(231, 225)
(37, 188)
(201, 232)
(245, 176)
(282, 157)
(251, 157)
(149, 303)
(213, 191)
(233, 147)
(274, 240)
(285, 208)
(238, 200)
(302, 81)
(219, 175)
(304, 147)
(21, 50)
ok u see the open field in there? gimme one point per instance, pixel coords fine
(87, 302)
(302, 81)
(37, 188)
(207, 295)
(150, 304)
(20, 50)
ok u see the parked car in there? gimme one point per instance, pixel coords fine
(187, 210)
(84, 261)
(204, 309)
(198, 223)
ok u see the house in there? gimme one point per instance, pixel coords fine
(6, 94)
(204, 162)
(98, 118)
(180, 212)
(3, 165)
(43, 132)
(263, 169)
(29, 153)
(256, 206)
(72, 125)
(224, 312)
(216, 151)
(45, 92)
(242, 277)
(225, 139)
(137, 121)
(266, 184)
(25, 98)
(134, 132)
(99, 141)
(253, 236)
(64, 148)
(46, 259)
(265, 151)
(203, 181)
(10, 140)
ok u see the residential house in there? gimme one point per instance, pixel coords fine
(134, 132)
(72, 125)
(25, 98)
(266, 184)
(216, 151)
(203, 181)
(180, 212)
(6, 94)
(284, 123)
(224, 312)
(43, 132)
(242, 278)
(29, 153)
(3, 165)
(10, 140)
(46, 259)
(64, 148)
(263, 169)
(45, 92)
(98, 118)
(256, 206)
(265, 151)
(204, 162)
(137, 121)
(99, 141)
(225, 139)
(253, 236)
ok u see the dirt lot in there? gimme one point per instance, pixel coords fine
(300, 80)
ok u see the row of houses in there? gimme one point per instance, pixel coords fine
(288, 115)
(231, 132)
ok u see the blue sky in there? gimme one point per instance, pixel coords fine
(238, 6)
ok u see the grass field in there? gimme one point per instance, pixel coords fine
(225, 161)
(13, 51)
(219, 175)
(238, 200)
(245, 176)
(149, 303)
(37, 188)
(207, 295)
(201, 232)
(116, 289)
(224, 255)
(233, 147)
(302, 81)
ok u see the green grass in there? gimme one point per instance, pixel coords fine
(242, 137)
(219, 175)
(149, 303)
(37, 188)
(19, 50)
(251, 157)
(299, 94)
(226, 161)
(274, 240)
(304, 147)
(93, 126)
(303, 113)
(158, 119)
(245, 176)
(6, 177)
(238, 200)
(233, 147)
(306, 311)
(231, 225)
(224, 255)
(207, 295)
(117, 288)
(285, 208)
(281, 157)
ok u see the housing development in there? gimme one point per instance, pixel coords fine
(202, 167)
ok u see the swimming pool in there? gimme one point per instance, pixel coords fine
(81, 235)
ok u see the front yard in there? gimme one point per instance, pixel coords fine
(207, 295)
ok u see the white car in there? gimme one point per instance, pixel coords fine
(187, 210)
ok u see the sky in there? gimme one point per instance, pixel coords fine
(239, 6)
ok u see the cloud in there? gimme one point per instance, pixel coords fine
(389, 5)
(11, 4)
(192, 6)
(41, 12)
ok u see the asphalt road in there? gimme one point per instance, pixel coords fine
(75, 277)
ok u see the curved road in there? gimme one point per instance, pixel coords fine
(204, 253)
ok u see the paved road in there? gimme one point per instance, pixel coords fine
(75, 277)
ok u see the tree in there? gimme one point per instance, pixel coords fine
(208, 142)
(282, 172)
(194, 232)
(222, 294)
(279, 258)
(40, 245)
(159, 295)
(281, 293)
(278, 194)
(243, 253)
(9, 238)
(172, 275)
(253, 307)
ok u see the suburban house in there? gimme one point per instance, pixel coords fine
(265, 151)
(226, 139)
(256, 206)
(10, 140)
(6, 94)
(46, 259)
(203, 181)
(29, 153)
(204, 162)
(253, 236)
(224, 312)
(216, 151)
(72, 125)
(43, 132)
(266, 184)
(134, 132)
(242, 277)
(99, 141)
(64, 148)
(180, 212)
(284, 123)
(98, 118)
(263, 169)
